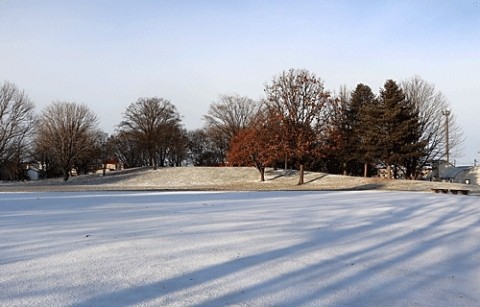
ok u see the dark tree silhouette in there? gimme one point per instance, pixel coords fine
(363, 125)
(149, 122)
(66, 132)
(391, 131)
(17, 122)
(226, 117)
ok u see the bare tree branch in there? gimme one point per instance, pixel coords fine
(17, 121)
(66, 131)
(431, 105)
(227, 116)
(298, 100)
(153, 124)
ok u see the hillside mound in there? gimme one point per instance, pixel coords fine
(225, 178)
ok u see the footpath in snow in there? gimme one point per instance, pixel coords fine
(365, 248)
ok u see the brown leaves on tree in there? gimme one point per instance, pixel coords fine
(255, 146)
(298, 100)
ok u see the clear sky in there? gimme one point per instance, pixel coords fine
(107, 54)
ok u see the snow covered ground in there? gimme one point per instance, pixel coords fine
(363, 248)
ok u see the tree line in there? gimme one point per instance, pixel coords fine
(298, 124)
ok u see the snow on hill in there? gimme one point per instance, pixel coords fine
(225, 178)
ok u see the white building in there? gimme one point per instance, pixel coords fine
(457, 174)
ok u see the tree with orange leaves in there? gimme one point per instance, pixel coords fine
(255, 145)
(298, 101)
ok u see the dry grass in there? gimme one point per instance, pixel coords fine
(224, 178)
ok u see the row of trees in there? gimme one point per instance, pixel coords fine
(297, 124)
(65, 136)
(400, 129)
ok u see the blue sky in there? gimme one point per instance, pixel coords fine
(107, 54)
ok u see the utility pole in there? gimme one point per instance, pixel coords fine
(447, 141)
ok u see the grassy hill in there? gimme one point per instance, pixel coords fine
(224, 178)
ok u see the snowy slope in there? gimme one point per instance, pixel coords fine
(222, 178)
(364, 248)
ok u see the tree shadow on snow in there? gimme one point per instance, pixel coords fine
(348, 273)
(276, 174)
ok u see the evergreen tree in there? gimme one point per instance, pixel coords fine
(399, 133)
(357, 124)
(386, 130)
(368, 129)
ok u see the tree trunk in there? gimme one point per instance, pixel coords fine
(365, 170)
(104, 168)
(261, 169)
(66, 174)
(301, 178)
(344, 168)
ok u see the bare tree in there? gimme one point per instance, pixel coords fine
(149, 122)
(16, 126)
(345, 122)
(176, 149)
(227, 116)
(93, 158)
(126, 149)
(66, 132)
(201, 149)
(432, 105)
(298, 100)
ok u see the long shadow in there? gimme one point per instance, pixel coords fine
(109, 178)
(362, 187)
(342, 268)
(51, 212)
(321, 239)
(55, 184)
(368, 186)
(316, 178)
(282, 174)
(392, 287)
(201, 276)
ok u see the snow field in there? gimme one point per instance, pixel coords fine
(239, 249)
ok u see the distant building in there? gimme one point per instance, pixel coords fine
(34, 170)
(444, 171)
(111, 165)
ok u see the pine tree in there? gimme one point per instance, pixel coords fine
(399, 134)
(368, 130)
(357, 124)
(388, 131)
